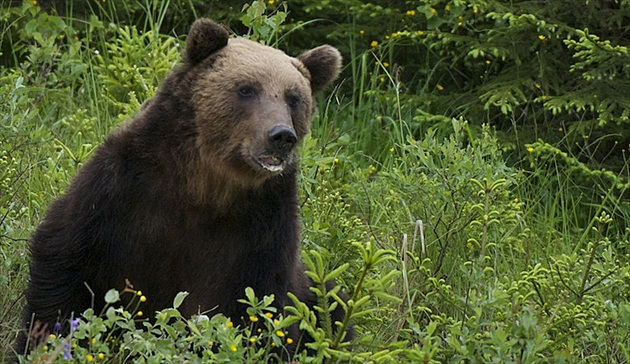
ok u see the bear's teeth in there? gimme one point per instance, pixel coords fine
(272, 163)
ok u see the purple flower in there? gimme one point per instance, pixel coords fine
(74, 324)
(66, 350)
(58, 327)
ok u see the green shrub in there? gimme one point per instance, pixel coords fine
(132, 66)
(121, 333)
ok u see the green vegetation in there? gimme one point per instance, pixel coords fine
(466, 183)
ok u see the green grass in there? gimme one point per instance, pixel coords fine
(452, 248)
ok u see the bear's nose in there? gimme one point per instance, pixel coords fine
(282, 138)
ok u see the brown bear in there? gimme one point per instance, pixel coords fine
(197, 193)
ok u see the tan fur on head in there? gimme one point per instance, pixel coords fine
(232, 131)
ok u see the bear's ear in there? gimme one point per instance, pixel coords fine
(324, 65)
(205, 37)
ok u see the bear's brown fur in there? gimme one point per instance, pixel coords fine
(197, 193)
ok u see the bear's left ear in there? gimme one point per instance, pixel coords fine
(324, 65)
(205, 37)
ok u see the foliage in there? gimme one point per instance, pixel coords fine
(262, 27)
(531, 69)
(114, 336)
(133, 65)
(466, 185)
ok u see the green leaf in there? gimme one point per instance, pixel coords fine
(179, 299)
(251, 296)
(112, 296)
(336, 273)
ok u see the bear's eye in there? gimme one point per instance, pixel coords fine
(246, 92)
(293, 101)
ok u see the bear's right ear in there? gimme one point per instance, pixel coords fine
(324, 64)
(205, 37)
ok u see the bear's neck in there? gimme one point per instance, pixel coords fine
(225, 196)
(212, 189)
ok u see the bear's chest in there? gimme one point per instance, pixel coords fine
(215, 257)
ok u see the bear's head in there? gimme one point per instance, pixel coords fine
(252, 103)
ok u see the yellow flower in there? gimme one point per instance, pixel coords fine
(385, 64)
(89, 357)
(289, 340)
(537, 85)
(52, 336)
(336, 161)
(541, 37)
(475, 11)
(420, 33)
(516, 200)
(469, 245)
(373, 44)
(252, 340)
(139, 293)
(391, 150)
(394, 35)
(268, 315)
(439, 87)
(530, 149)
(447, 7)
(229, 324)
(433, 11)
(271, 2)
(280, 333)
(233, 347)
(253, 318)
(361, 31)
(543, 97)
(411, 12)
(379, 118)
(94, 340)
(101, 356)
(143, 298)
(382, 79)
(488, 61)
(140, 313)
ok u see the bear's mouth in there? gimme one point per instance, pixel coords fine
(272, 163)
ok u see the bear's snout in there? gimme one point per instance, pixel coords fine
(282, 139)
(278, 154)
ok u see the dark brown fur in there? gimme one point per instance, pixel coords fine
(188, 195)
